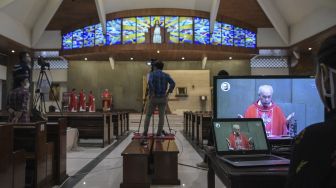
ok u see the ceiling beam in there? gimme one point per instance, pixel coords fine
(101, 14)
(44, 19)
(4, 3)
(277, 20)
(213, 13)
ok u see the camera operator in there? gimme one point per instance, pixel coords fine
(158, 83)
(22, 70)
(18, 102)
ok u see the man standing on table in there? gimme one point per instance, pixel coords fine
(158, 94)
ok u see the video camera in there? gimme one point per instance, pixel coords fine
(151, 63)
(41, 62)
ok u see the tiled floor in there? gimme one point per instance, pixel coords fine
(108, 173)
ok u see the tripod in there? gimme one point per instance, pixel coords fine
(39, 97)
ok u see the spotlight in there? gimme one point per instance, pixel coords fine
(182, 58)
(230, 58)
(85, 59)
(13, 51)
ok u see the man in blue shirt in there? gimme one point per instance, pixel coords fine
(158, 94)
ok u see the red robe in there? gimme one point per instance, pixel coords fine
(73, 102)
(91, 104)
(273, 118)
(81, 102)
(239, 142)
(106, 99)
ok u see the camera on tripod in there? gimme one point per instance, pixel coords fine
(42, 63)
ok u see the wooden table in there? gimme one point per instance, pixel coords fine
(135, 166)
(165, 163)
(251, 177)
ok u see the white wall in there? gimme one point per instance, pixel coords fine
(50, 40)
(269, 37)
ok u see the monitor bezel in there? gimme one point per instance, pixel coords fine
(241, 152)
(215, 78)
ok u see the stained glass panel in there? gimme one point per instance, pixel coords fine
(113, 32)
(202, 31)
(129, 30)
(186, 30)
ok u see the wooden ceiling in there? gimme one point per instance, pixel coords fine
(74, 14)
(247, 11)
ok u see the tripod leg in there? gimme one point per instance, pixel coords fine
(52, 93)
(143, 107)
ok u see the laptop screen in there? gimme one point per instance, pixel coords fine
(240, 135)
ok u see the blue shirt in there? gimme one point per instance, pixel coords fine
(158, 83)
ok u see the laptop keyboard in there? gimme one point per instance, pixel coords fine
(252, 158)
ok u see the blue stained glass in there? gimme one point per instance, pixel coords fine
(172, 28)
(227, 34)
(77, 39)
(202, 31)
(113, 32)
(239, 37)
(89, 36)
(67, 41)
(216, 38)
(143, 25)
(250, 39)
(154, 20)
(99, 36)
(129, 30)
(186, 30)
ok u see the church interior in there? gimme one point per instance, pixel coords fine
(81, 79)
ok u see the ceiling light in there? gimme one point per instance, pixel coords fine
(310, 49)
(85, 59)
(13, 51)
(230, 58)
(131, 58)
(182, 58)
(158, 51)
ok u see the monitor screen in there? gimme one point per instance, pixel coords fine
(286, 104)
(239, 135)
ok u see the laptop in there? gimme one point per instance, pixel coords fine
(242, 142)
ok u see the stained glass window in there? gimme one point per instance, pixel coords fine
(172, 29)
(89, 36)
(99, 36)
(129, 30)
(67, 41)
(159, 19)
(143, 26)
(239, 37)
(227, 34)
(216, 38)
(202, 31)
(186, 30)
(77, 39)
(250, 39)
(113, 32)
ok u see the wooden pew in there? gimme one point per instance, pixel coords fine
(204, 127)
(32, 138)
(12, 164)
(90, 125)
(56, 133)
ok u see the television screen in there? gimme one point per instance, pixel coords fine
(202, 31)
(143, 25)
(172, 28)
(113, 32)
(186, 30)
(67, 41)
(227, 35)
(250, 39)
(129, 30)
(77, 38)
(286, 104)
(216, 38)
(239, 37)
(89, 36)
